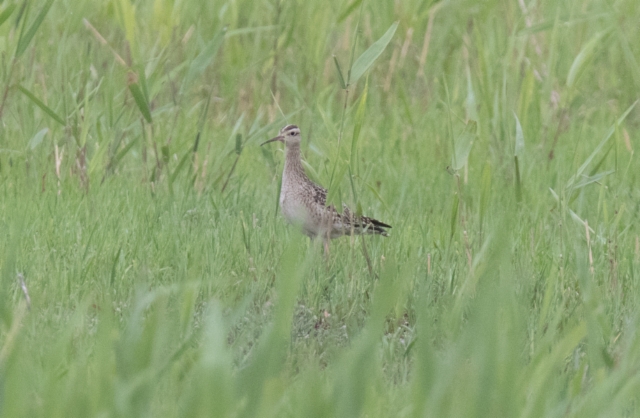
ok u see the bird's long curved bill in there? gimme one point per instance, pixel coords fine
(277, 138)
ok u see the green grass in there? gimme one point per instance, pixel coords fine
(164, 282)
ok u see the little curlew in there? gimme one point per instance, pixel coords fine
(303, 203)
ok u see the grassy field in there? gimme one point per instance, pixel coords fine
(139, 214)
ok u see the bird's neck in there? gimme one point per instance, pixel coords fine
(293, 161)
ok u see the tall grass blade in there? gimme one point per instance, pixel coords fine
(470, 102)
(377, 195)
(122, 153)
(631, 61)
(142, 82)
(181, 165)
(127, 14)
(343, 85)
(42, 106)
(246, 31)
(602, 143)
(26, 37)
(519, 144)
(518, 180)
(238, 147)
(349, 9)
(357, 126)
(587, 180)
(13, 237)
(485, 192)
(334, 193)
(455, 203)
(518, 153)
(592, 179)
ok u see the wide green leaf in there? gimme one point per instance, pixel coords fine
(463, 146)
(37, 138)
(6, 13)
(203, 59)
(602, 143)
(583, 58)
(141, 101)
(368, 57)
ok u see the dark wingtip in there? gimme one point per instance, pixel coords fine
(380, 231)
(375, 226)
(379, 224)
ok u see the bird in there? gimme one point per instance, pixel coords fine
(304, 203)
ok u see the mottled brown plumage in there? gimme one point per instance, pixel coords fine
(303, 203)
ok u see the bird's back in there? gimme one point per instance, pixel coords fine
(304, 202)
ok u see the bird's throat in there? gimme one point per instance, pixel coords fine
(293, 161)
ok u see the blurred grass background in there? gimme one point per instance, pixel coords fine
(139, 214)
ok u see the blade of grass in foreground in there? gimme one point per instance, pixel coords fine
(359, 364)
(212, 384)
(268, 358)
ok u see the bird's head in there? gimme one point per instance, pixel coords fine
(289, 135)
